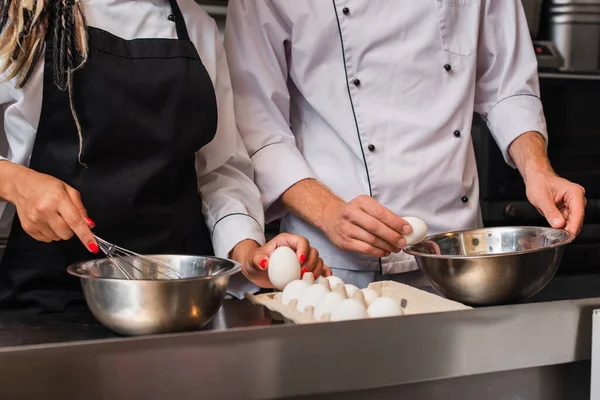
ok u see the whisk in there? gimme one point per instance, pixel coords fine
(127, 260)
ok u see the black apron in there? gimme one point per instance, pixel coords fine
(145, 107)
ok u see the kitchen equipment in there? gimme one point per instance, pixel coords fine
(136, 266)
(150, 306)
(533, 12)
(574, 26)
(491, 266)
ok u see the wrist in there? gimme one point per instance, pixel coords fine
(242, 250)
(331, 210)
(9, 175)
(534, 169)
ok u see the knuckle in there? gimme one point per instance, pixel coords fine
(347, 212)
(372, 226)
(33, 216)
(393, 237)
(27, 227)
(74, 220)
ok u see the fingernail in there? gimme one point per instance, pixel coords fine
(556, 222)
(402, 243)
(406, 229)
(315, 276)
(302, 258)
(90, 223)
(303, 271)
(93, 247)
(263, 263)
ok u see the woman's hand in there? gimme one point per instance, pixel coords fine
(255, 259)
(49, 209)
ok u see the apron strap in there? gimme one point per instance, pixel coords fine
(182, 32)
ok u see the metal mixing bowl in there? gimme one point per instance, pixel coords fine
(150, 306)
(491, 266)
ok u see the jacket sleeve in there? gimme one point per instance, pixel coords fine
(507, 91)
(256, 40)
(231, 201)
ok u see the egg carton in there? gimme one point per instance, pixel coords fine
(413, 301)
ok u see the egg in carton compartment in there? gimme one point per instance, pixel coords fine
(413, 301)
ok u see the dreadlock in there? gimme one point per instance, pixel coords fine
(24, 27)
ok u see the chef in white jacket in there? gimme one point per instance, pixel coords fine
(118, 115)
(358, 112)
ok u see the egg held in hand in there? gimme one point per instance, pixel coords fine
(419, 231)
(284, 267)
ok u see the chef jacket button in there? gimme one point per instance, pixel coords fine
(448, 67)
(371, 147)
(457, 133)
(346, 10)
(464, 199)
(356, 82)
(171, 17)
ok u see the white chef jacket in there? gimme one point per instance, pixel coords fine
(376, 97)
(231, 202)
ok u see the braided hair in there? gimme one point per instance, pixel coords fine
(24, 27)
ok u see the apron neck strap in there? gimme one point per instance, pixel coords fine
(182, 32)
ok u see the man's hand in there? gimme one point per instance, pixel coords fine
(362, 225)
(561, 202)
(365, 226)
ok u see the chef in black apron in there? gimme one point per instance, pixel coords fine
(124, 135)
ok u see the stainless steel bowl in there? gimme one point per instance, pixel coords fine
(140, 307)
(491, 266)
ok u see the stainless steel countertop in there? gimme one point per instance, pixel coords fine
(273, 361)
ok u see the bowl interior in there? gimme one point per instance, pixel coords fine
(491, 242)
(155, 267)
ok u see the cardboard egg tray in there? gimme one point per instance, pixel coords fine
(413, 301)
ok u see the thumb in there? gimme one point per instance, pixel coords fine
(260, 260)
(548, 208)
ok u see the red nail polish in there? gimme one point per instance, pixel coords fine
(302, 258)
(90, 223)
(303, 271)
(315, 276)
(263, 263)
(93, 247)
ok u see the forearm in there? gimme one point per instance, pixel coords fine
(312, 201)
(530, 156)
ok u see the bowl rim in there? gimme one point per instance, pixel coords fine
(237, 267)
(411, 249)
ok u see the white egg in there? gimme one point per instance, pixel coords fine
(327, 304)
(419, 230)
(351, 290)
(334, 281)
(349, 309)
(385, 307)
(370, 295)
(311, 297)
(284, 267)
(293, 291)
